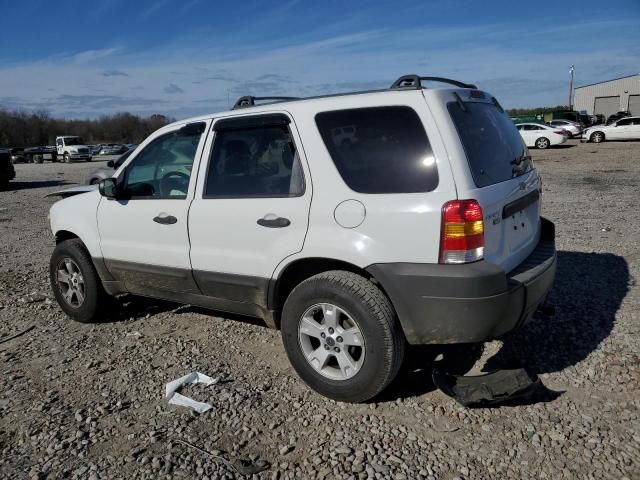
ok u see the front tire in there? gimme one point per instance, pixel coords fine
(597, 137)
(342, 336)
(543, 143)
(75, 282)
(66, 158)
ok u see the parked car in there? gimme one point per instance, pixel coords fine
(72, 149)
(7, 172)
(541, 136)
(17, 155)
(424, 228)
(107, 171)
(617, 116)
(95, 149)
(599, 119)
(627, 128)
(574, 129)
(113, 149)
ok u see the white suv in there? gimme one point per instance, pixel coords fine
(423, 228)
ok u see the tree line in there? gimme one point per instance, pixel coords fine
(29, 129)
(528, 112)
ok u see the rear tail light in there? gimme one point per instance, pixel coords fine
(559, 132)
(462, 238)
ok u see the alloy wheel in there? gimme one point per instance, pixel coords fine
(71, 282)
(542, 143)
(331, 341)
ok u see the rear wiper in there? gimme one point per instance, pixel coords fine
(460, 102)
(517, 161)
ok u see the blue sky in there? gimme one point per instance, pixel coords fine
(187, 57)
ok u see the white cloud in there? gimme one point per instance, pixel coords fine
(90, 55)
(517, 72)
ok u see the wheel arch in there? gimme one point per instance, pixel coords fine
(298, 271)
(62, 235)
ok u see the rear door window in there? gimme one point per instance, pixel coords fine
(256, 162)
(495, 150)
(380, 149)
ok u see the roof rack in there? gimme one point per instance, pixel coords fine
(406, 82)
(249, 101)
(415, 82)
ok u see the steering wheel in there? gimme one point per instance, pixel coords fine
(173, 180)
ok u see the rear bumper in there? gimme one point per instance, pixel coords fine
(7, 172)
(468, 303)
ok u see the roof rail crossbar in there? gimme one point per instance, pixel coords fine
(249, 101)
(415, 82)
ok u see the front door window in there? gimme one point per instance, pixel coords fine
(162, 170)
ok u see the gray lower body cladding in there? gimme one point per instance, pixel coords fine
(468, 303)
(436, 304)
(239, 294)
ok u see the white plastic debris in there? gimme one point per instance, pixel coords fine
(175, 398)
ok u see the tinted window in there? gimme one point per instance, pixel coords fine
(494, 147)
(379, 150)
(163, 168)
(622, 123)
(254, 162)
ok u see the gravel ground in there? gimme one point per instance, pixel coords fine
(86, 401)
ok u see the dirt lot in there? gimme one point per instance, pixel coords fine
(86, 401)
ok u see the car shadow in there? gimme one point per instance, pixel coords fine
(15, 186)
(587, 293)
(563, 146)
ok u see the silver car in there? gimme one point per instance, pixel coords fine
(573, 129)
(107, 171)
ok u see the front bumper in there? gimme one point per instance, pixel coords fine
(80, 157)
(468, 303)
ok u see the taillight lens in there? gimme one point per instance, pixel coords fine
(462, 238)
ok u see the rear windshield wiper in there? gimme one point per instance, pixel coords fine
(518, 160)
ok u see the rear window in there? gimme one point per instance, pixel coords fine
(379, 150)
(494, 147)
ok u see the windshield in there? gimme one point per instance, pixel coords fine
(73, 141)
(495, 150)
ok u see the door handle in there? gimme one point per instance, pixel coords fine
(165, 219)
(277, 222)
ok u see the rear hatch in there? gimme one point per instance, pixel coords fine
(503, 179)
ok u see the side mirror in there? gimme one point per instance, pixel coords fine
(110, 164)
(108, 188)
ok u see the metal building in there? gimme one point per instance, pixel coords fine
(609, 97)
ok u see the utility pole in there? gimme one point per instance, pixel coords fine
(571, 69)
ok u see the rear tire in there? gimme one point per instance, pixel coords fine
(76, 284)
(597, 137)
(368, 357)
(543, 143)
